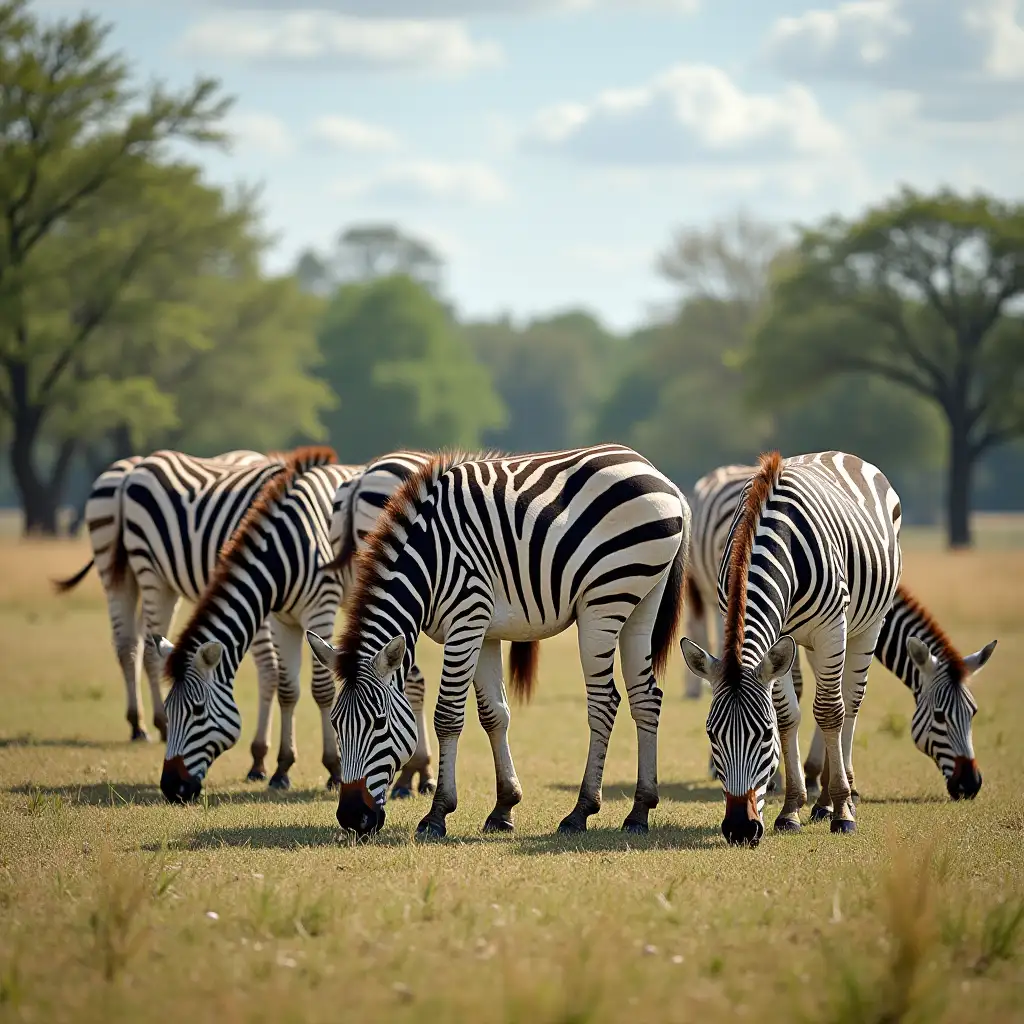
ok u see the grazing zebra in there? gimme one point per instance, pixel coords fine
(273, 563)
(473, 550)
(813, 556)
(944, 704)
(357, 507)
(104, 518)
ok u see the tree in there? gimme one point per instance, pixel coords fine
(85, 206)
(924, 292)
(552, 376)
(403, 373)
(367, 252)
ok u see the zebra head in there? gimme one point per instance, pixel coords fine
(202, 720)
(945, 706)
(744, 732)
(376, 729)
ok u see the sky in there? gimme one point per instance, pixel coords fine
(548, 149)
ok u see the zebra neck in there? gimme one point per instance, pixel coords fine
(892, 651)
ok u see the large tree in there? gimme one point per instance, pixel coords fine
(86, 206)
(403, 372)
(923, 291)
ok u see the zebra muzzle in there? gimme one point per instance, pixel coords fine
(176, 784)
(742, 825)
(357, 810)
(965, 782)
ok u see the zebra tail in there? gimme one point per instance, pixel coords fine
(63, 586)
(523, 659)
(693, 599)
(348, 544)
(666, 624)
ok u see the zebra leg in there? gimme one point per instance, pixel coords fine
(787, 708)
(814, 765)
(492, 707)
(288, 641)
(461, 651)
(777, 782)
(158, 605)
(828, 660)
(267, 671)
(122, 601)
(415, 692)
(859, 653)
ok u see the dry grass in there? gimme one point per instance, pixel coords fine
(250, 908)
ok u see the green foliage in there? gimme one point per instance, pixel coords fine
(551, 375)
(403, 373)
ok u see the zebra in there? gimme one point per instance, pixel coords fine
(911, 645)
(474, 549)
(273, 563)
(357, 507)
(104, 519)
(813, 557)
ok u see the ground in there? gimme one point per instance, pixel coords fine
(249, 906)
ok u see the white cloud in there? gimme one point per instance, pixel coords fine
(960, 56)
(611, 259)
(465, 8)
(262, 132)
(308, 38)
(350, 135)
(414, 180)
(692, 112)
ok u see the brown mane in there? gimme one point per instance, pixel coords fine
(753, 502)
(281, 478)
(942, 647)
(383, 544)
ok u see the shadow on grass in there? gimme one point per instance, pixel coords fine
(141, 794)
(682, 792)
(72, 742)
(612, 839)
(288, 837)
(929, 798)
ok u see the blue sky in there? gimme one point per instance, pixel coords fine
(548, 148)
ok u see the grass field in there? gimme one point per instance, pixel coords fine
(248, 906)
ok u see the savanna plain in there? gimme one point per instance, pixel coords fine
(250, 906)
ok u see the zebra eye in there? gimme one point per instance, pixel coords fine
(940, 717)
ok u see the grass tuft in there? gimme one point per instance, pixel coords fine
(1000, 934)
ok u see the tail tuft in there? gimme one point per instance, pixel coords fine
(523, 660)
(63, 586)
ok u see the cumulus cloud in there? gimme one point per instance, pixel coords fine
(465, 8)
(262, 132)
(415, 180)
(693, 112)
(965, 58)
(312, 38)
(350, 135)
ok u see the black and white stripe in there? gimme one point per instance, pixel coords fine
(476, 550)
(274, 564)
(822, 569)
(201, 491)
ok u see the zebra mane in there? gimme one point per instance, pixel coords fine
(936, 638)
(291, 466)
(749, 514)
(384, 545)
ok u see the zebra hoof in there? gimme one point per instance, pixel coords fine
(280, 781)
(333, 783)
(431, 830)
(498, 824)
(428, 787)
(820, 813)
(570, 826)
(785, 824)
(841, 826)
(139, 735)
(401, 792)
(256, 775)
(635, 828)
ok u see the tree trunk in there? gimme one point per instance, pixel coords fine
(40, 498)
(958, 498)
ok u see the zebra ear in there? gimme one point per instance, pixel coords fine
(919, 651)
(322, 650)
(778, 661)
(163, 646)
(208, 656)
(976, 662)
(699, 662)
(388, 658)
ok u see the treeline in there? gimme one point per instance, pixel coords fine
(134, 315)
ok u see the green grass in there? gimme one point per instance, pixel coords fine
(251, 907)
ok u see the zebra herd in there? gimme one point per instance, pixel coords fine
(474, 549)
